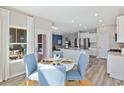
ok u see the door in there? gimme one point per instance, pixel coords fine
(40, 45)
(103, 43)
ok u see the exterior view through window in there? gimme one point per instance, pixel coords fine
(17, 43)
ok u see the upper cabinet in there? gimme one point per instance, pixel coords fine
(18, 19)
(84, 35)
(92, 37)
(120, 29)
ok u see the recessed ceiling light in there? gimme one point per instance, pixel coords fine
(96, 14)
(103, 24)
(55, 28)
(72, 21)
(100, 20)
(80, 24)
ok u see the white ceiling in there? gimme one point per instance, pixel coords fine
(62, 16)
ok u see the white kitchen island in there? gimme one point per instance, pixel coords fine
(115, 65)
(74, 53)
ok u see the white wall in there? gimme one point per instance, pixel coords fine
(43, 26)
(4, 33)
(33, 25)
(30, 35)
(18, 19)
(18, 67)
(107, 37)
(0, 49)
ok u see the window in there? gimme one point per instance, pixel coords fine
(17, 43)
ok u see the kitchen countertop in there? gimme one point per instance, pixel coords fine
(74, 48)
(115, 53)
(77, 49)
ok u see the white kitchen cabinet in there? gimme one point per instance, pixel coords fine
(120, 29)
(92, 37)
(115, 66)
(84, 35)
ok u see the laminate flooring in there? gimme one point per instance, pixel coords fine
(96, 74)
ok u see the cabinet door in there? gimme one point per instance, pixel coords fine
(92, 37)
(120, 29)
(84, 35)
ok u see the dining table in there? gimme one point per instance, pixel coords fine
(68, 63)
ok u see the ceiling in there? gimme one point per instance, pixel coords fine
(70, 19)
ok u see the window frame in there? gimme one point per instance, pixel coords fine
(16, 43)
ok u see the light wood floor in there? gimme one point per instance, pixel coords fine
(95, 75)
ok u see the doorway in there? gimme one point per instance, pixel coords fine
(40, 46)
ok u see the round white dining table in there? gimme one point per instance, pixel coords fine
(68, 66)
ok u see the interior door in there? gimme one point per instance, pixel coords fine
(103, 43)
(40, 45)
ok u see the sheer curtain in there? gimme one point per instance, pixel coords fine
(4, 43)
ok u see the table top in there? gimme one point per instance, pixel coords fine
(64, 61)
(51, 61)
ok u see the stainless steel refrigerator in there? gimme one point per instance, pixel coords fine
(84, 43)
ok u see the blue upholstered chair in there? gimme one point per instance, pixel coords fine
(78, 74)
(31, 67)
(50, 75)
(55, 52)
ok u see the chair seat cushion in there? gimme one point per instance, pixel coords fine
(73, 75)
(34, 76)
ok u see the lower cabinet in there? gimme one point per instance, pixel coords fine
(115, 66)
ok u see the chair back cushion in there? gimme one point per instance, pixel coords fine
(50, 75)
(82, 64)
(30, 64)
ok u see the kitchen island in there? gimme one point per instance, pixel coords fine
(74, 53)
(115, 65)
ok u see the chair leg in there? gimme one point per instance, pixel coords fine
(80, 81)
(27, 81)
